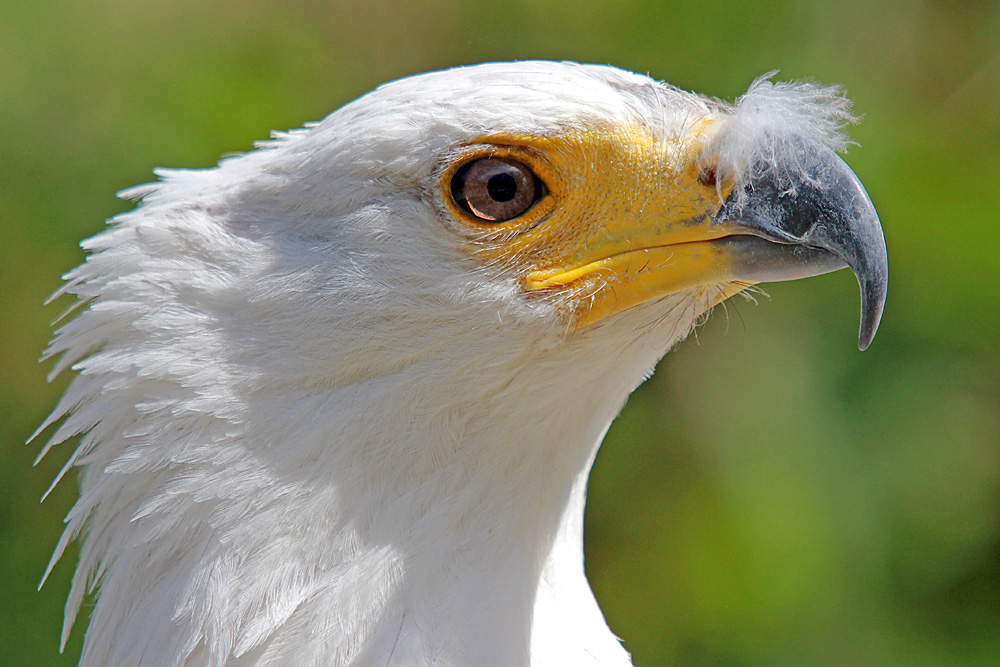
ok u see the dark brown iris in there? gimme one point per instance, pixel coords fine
(495, 189)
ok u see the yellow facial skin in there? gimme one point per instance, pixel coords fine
(626, 219)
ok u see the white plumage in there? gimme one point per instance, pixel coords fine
(323, 424)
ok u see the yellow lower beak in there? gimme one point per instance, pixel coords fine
(628, 279)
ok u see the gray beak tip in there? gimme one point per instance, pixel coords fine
(873, 293)
(865, 338)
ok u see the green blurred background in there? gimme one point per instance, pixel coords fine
(771, 496)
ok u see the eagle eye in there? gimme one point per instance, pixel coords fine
(495, 189)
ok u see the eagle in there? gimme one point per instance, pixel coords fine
(337, 398)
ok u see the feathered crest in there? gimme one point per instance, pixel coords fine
(772, 126)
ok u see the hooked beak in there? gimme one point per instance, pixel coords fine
(814, 221)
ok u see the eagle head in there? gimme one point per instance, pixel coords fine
(339, 396)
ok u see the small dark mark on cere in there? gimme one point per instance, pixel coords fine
(699, 219)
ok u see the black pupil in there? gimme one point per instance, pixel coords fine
(501, 187)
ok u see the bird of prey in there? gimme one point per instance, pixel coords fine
(337, 398)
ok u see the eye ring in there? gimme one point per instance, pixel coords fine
(495, 189)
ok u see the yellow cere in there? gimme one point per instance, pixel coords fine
(625, 210)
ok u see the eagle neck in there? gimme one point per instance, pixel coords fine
(475, 513)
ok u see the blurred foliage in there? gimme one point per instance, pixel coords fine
(770, 497)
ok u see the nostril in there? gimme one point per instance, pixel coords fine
(708, 177)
